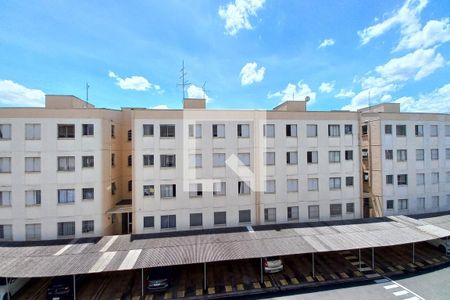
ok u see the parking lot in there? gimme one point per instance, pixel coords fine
(243, 277)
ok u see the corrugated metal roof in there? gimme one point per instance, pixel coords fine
(111, 253)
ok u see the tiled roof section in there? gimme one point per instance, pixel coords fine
(122, 252)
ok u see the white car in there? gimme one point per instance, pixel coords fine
(273, 264)
(15, 284)
(442, 244)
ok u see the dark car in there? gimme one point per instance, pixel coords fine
(158, 279)
(61, 287)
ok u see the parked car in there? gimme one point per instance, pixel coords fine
(158, 279)
(15, 284)
(61, 287)
(273, 264)
(441, 244)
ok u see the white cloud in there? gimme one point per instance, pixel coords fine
(196, 92)
(345, 94)
(369, 96)
(14, 94)
(236, 15)
(250, 74)
(161, 106)
(435, 32)
(136, 83)
(326, 43)
(294, 92)
(436, 101)
(326, 87)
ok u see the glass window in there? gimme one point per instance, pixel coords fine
(435, 201)
(335, 210)
(66, 131)
(334, 130)
(245, 216)
(348, 129)
(292, 213)
(270, 214)
(292, 185)
(130, 135)
(113, 188)
(219, 188)
(244, 159)
(434, 177)
(168, 161)
(312, 157)
(5, 131)
(350, 208)
(220, 218)
(149, 160)
(87, 193)
(402, 155)
(5, 198)
(113, 131)
(292, 158)
(348, 154)
(149, 222)
(420, 203)
(243, 187)
(113, 159)
(66, 196)
(195, 130)
(32, 131)
(88, 129)
(420, 154)
(270, 186)
(33, 198)
(195, 219)
(434, 154)
(335, 183)
(420, 178)
(130, 185)
(447, 130)
(387, 129)
(313, 212)
(349, 181)
(400, 130)
(334, 157)
(130, 160)
(389, 204)
(167, 130)
(88, 161)
(313, 184)
(218, 130)
(291, 130)
(6, 232)
(447, 153)
(148, 129)
(168, 221)
(364, 130)
(195, 190)
(402, 204)
(269, 158)
(218, 159)
(311, 130)
(87, 226)
(269, 130)
(448, 177)
(195, 160)
(243, 130)
(402, 179)
(66, 163)
(419, 130)
(32, 164)
(149, 190)
(66, 228)
(168, 190)
(32, 232)
(388, 154)
(434, 130)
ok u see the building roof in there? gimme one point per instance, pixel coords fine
(125, 252)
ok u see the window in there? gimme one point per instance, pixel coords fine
(129, 135)
(219, 188)
(448, 200)
(113, 131)
(447, 153)
(448, 177)
(195, 160)
(292, 158)
(402, 155)
(348, 154)
(420, 203)
(148, 129)
(364, 129)
(269, 130)
(218, 159)
(348, 129)
(66, 163)
(168, 190)
(87, 226)
(389, 204)
(350, 208)
(149, 222)
(335, 210)
(402, 179)
(291, 130)
(195, 131)
(243, 187)
(130, 160)
(292, 213)
(168, 221)
(195, 190)
(149, 190)
(400, 130)
(334, 157)
(244, 216)
(88, 129)
(435, 201)
(5, 232)
(5, 131)
(32, 131)
(149, 160)
(334, 130)
(270, 186)
(32, 164)
(389, 179)
(270, 214)
(402, 204)
(113, 159)
(387, 129)
(218, 130)
(87, 193)
(269, 158)
(244, 159)
(349, 181)
(167, 131)
(335, 183)
(419, 130)
(366, 177)
(195, 219)
(5, 198)
(88, 161)
(365, 153)
(434, 154)
(32, 198)
(66, 229)
(130, 185)
(220, 218)
(420, 179)
(113, 188)
(168, 161)
(313, 212)
(243, 130)
(312, 157)
(66, 196)
(66, 131)
(32, 232)
(5, 164)
(447, 130)
(434, 130)
(388, 154)
(311, 130)
(434, 177)
(313, 184)
(420, 154)
(292, 185)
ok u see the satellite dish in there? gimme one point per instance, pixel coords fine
(307, 98)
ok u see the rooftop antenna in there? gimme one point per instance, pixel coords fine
(183, 79)
(87, 93)
(204, 90)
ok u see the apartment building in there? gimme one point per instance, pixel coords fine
(72, 170)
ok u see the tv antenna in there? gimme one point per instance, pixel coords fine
(204, 90)
(183, 79)
(87, 92)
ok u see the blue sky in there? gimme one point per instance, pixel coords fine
(250, 53)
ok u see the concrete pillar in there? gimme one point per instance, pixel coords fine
(74, 288)
(204, 277)
(142, 283)
(262, 270)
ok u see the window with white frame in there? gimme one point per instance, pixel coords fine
(32, 164)
(270, 186)
(33, 198)
(148, 160)
(291, 130)
(335, 183)
(5, 164)
(418, 130)
(388, 154)
(421, 203)
(311, 130)
(434, 130)
(447, 153)
(220, 218)
(348, 129)
(5, 198)
(195, 160)
(312, 157)
(269, 158)
(66, 163)
(349, 181)
(88, 161)
(149, 221)
(402, 179)
(400, 130)
(218, 159)
(218, 130)
(168, 160)
(292, 185)
(334, 130)
(168, 221)
(348, 154)
(167, 130)
(434, 154)
(148, 129)
(87, 193)
(420, 179)
(435, 201)
(196, 220)
(292, 213)
(32, 232)
(244, 159)
(245, 216)
(270, 214)
(32, 131)
(292, 157)
(5, 131)
(389, 204)
(66, 229)
(87, 226)
(387, 129)
(243, 130)
(269, 130)
(313, 212)
(88, 129)
(195, 190)
(420, 154)
(219, 188)
(168, 190)
(402, 204)
(434, 177)
(195, 131)
(243, 187)
(334, 157)
(350, 208)
(66, 131)
(6, 232)
(313, 184)
(447, 130)
(402, 155)
(66, 196)
(389, 179)
(149, 190)
(336, 210)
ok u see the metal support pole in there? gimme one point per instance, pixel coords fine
(7, 288)
(359, 251)
(74, 288)
(204, 276)
(313, 271)
(142, 283)
(128, 223)
(414, 254)
(262, 274)
(373, 258)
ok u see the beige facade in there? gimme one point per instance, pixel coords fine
(102, 171)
